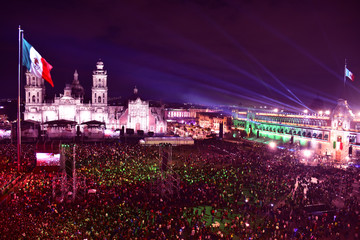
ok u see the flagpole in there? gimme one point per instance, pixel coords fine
(18, 113)
(345, 73)
(344, 91)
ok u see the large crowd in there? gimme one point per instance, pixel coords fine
(211, 190)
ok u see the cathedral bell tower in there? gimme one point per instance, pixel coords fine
(99, 89)
(34, 89)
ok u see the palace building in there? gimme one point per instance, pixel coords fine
(68, 114)
(334, 133)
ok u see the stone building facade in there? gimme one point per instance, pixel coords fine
(136, 114)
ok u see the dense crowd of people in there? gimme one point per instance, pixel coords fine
(8, 165)
(210, 190)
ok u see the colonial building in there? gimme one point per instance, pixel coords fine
(214, 120)
(334, 134)
(185, 113)
(143, 115)
(70, 107)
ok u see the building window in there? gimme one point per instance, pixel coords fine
(99, 99)
(33, 98)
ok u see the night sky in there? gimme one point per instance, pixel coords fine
(280, 53)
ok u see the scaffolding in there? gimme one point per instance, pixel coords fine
(67, 185)
(168, 184)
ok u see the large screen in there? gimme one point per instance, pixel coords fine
(47, 159)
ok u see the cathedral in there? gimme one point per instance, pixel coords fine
(69, 108)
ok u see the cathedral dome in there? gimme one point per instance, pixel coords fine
(77, 91)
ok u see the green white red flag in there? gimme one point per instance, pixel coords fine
(33, 61)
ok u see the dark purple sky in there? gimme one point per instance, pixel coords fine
(201, 51)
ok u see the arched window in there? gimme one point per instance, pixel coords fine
(33, 98)
(99, 99)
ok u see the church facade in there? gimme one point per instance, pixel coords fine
(136, 114)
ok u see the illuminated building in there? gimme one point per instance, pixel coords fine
(143, 115)
(184, 114)
(5, 127)
(336, 134)
(213, 121)
(67, 113)
(180, 114)
(196, 121)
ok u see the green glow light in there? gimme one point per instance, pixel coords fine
(303, 142)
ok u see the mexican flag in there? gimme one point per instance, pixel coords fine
(349, 74)
(37, 65)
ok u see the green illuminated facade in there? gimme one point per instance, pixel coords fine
(336, 133)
